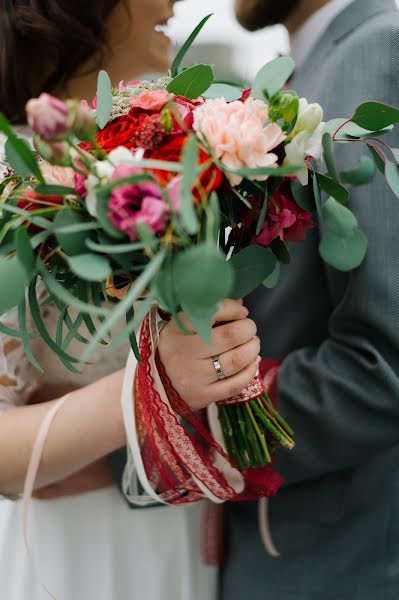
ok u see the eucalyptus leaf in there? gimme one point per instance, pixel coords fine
(272, 77)
(127, 248)
(251, 267)
(271, 281)
(90, 267)
(362, 175)
(22, 322)
(392, 175)
(375, 115)
(22, 157)
(120, 310)
(102, 208)
(378, 161)
(273, 171)
(333, 188)
(281, 251)
(338, 219)
(317, 195)
(72, 242)
(303, 195)
(190, 162)
(395, 152)
(343, 253)
(104, 99)
(202, 277)
(221, 90)
(329, 156)
(192, 82)
(14, 282)
(201, 320)
(187, 45)
(25, 252)
(54, 190)
(164, 287)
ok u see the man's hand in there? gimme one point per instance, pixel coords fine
(94, 477)
(189, 361)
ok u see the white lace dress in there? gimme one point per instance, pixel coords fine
(92, 547)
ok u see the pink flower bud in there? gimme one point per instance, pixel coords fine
(47, 116)
(55, 152)
(81, 120)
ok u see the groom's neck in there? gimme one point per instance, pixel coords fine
(302, 13)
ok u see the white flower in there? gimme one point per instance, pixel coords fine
(91, 198)
(306, 138)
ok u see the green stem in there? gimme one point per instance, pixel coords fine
(269, 405)
(261, 437)
(271, 428)
(227, 430)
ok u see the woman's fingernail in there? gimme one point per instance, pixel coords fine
(245, 311)
(258, 360)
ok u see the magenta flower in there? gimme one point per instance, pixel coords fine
(137, 203)
(47, 116)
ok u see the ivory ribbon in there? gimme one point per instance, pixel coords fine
(33, 468)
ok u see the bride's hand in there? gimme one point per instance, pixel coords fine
(188, 361)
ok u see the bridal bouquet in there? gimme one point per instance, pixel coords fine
(178, 192)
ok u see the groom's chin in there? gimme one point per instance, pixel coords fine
(257, 14)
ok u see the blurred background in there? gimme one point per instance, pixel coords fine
(233, 51)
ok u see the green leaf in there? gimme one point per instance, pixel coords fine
(395, 152)
(317, 194)
(132, 337)
(347, 129)
(25, 252)
(59, 291)
(343, 253)
(26, 337)
(375, 116)
(22, 157)
(338, 219)
(378, 161)
(271, 281)
(190, 163)
(329, 156)
(362, 175)
(28, 216)
(201, 320)
(392, 175)
(120, 310)
(104, 99)
(272, 77)
(202, 277)
(332, 188)
(303, 195)
(164, 287)
(14, 282)
(72, 243)
(192, 82)
(221, 90)
(55, 190)
(90, 267)
(281, 251)
(251, 267)
(102, 215)
(273, 171)
(65, 358)
(187, 45)
(114, 249)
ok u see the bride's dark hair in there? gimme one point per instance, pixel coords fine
(43, 43)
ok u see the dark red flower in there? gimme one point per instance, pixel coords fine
(171, 151)
(285, 219)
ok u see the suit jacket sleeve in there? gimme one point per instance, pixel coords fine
(342, 397)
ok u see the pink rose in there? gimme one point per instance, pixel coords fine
(183, 121)
(237, 134)
(47, 116)
(131, 204)
(153, 100)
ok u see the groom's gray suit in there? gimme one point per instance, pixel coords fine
(336, 522)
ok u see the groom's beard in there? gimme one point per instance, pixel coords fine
(257, 14)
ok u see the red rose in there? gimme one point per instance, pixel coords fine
(32, 201)
(119, 132)
(171, 151)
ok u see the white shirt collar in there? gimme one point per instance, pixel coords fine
(304, 40)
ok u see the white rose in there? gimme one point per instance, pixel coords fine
(305, 145)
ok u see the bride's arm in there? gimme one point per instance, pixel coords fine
(89, 426)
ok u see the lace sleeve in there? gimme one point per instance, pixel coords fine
(18, 379)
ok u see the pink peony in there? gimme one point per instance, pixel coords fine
(132, 204)
(285, 219)
(237, 134)
(152, 100)
(47, 116)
